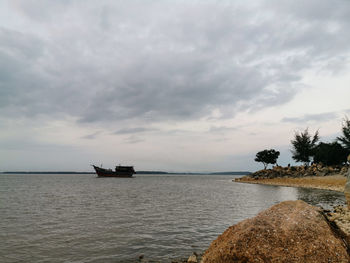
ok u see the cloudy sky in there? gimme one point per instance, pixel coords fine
(168, 85)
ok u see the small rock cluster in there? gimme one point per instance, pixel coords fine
(194, 258)
(341, 218)
(299, 171)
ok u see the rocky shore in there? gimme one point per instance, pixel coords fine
(300, 171)
(315, 176)
(291, 231)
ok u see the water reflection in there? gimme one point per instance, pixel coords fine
(277, 192)
(323, 198)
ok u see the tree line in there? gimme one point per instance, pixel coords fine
(307, 147)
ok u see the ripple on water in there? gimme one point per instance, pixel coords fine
(80, 218)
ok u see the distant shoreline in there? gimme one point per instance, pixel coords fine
(137, 172)
(47, 172)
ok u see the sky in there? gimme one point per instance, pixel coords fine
(180, 86)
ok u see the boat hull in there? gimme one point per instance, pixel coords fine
(119, 172)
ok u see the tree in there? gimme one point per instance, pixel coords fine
(267, 156)
(304, 145)
(345, 139)
(330, 154)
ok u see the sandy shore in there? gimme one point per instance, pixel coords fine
(331, 182)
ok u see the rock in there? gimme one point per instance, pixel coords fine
(278, 168)
(325, 170)
(344, 170)
(297, 171)
(320, 174)
(192, 258)
(142, 258)
(341, 218)
(291, 231)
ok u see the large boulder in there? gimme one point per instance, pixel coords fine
(291, 231)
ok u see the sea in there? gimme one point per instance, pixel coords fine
(160, 218)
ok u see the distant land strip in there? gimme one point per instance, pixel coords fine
(214, 173)
(46, 172)
(137, 172)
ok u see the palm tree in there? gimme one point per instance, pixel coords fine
(304, 146)
(345, 138)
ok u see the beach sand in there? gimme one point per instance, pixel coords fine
(331, 182)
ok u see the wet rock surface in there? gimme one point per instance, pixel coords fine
(291, 231)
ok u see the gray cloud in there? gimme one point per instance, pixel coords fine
(160, 61)
(21, 83)
(133, 139)
(312, 117)
(134, 130)
(222, 129)
(27, 144)
(91, 136)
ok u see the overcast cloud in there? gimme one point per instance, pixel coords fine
(312, 117)
(132, 67)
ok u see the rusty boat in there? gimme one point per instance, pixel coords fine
(119, 171)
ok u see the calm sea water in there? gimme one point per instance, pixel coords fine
(81, 218)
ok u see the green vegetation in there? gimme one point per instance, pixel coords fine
(330, 154)
(267, 157)
(304, 146)
(345, 138)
